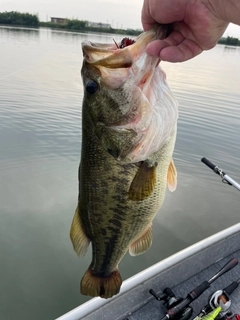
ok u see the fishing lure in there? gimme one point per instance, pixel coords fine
(210, 316)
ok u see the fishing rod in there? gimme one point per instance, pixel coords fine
(223, 175)
(194, 294)
(216, 297)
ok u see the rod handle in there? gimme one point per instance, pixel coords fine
(208, 163)
(171, 313)
(229, 289)
(228, 266)
(199, 290)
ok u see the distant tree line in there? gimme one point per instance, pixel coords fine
(82, 25)
(230, 41)
(27, 19)
(76, 24)
(69, 25)
(17, 18)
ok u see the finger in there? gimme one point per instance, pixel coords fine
(147, 25)
(183, 52)
(155, 47)
(147, 19)
(175, 48)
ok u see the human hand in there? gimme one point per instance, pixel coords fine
(196, 26)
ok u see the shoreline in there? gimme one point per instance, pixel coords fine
(227, 41)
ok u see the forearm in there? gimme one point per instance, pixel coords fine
(227, 10)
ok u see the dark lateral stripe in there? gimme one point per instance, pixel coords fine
(103, 231)
(110, 248)
(116, 222)
(102, 289)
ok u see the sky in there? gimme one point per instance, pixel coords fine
(119, 13)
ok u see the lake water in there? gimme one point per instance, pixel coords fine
(40, 143)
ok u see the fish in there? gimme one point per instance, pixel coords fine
(129, 125)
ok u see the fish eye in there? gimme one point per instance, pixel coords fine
(92, 86)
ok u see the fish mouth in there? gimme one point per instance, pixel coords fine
(125, 43)
(123, 54)
(118, 62)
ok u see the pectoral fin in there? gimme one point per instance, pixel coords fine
(78, 237)
(143, 183)
(172, 177)
(143, 243)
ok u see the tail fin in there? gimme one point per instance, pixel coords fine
(99, 286)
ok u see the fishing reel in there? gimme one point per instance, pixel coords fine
(170, 301)
(179, 308)
(220, 298)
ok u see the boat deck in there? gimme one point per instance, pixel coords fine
(155, 310)
(188, 274)
(182, 272)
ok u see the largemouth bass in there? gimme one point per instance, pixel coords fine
(129, 119)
